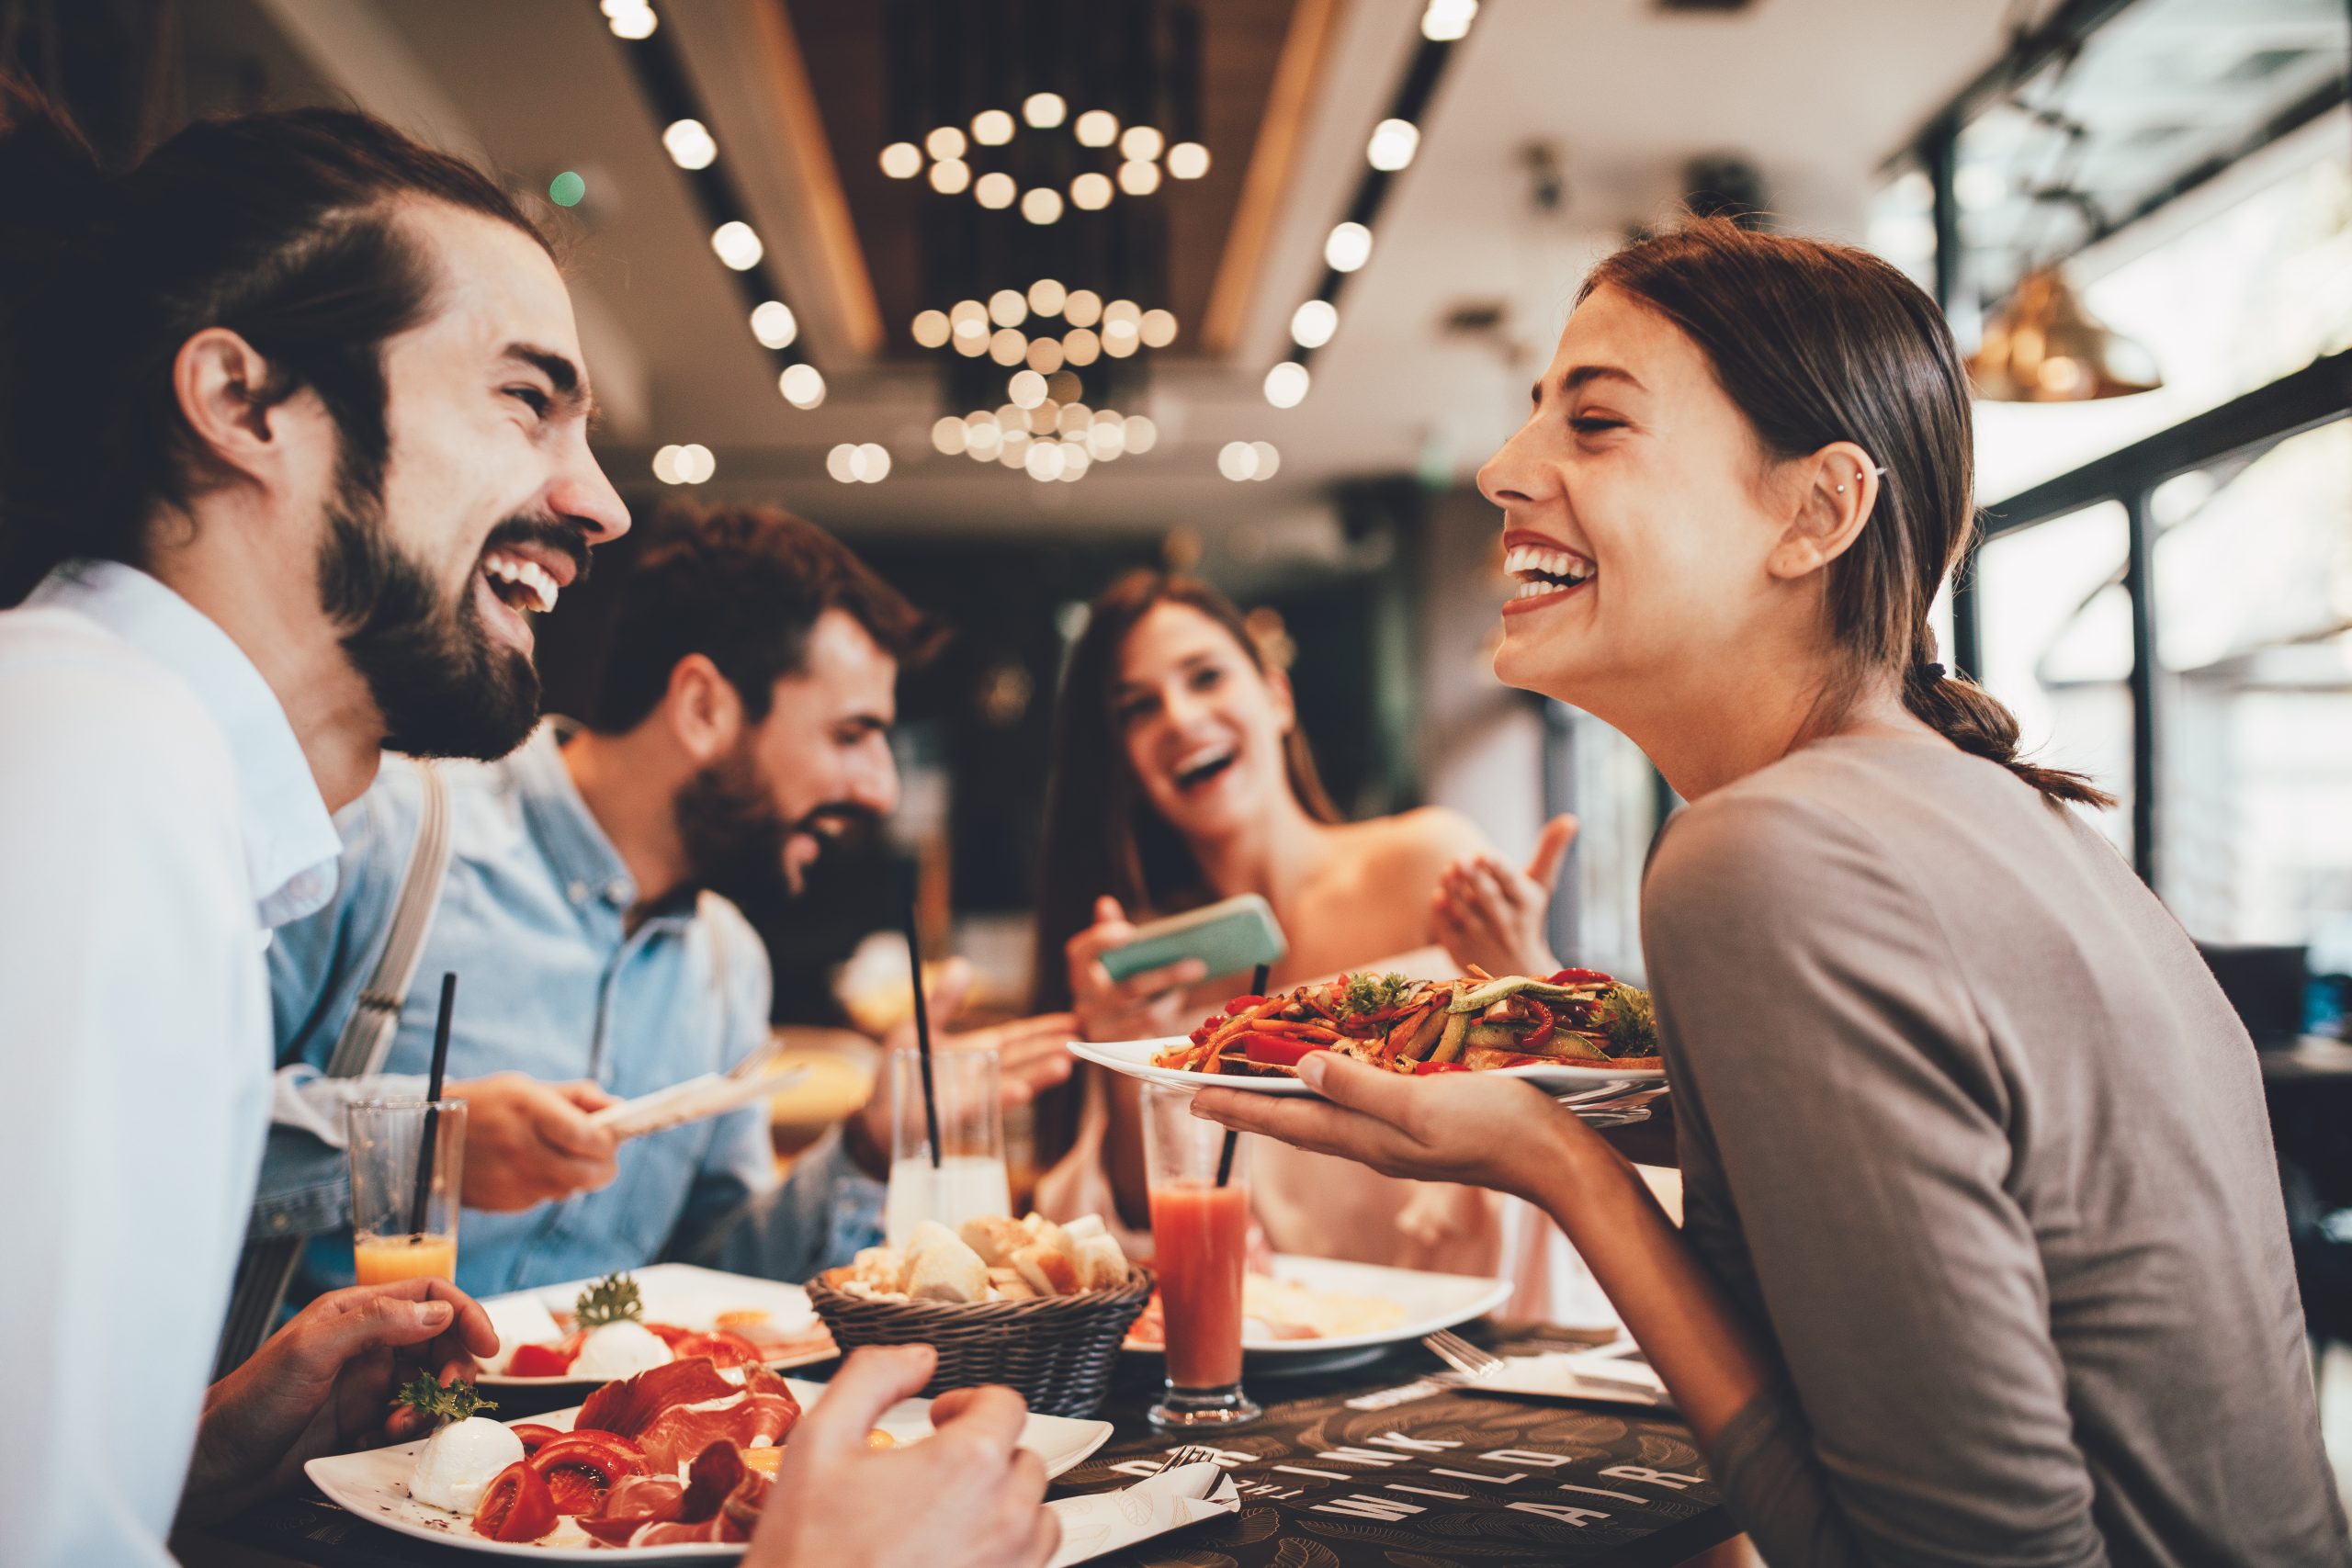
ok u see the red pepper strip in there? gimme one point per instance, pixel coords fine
(1583, 978)
(1536, 1036)
(1243, 1003)
(1280, 1050)
(1423, 1069)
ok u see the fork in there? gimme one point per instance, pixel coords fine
(1464, 1358)
(1191, 1453)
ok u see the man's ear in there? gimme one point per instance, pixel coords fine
(1833, 492)
(1285, 701)
(702, 709)
(221, 383)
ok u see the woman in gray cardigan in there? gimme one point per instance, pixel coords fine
(1984, 1256)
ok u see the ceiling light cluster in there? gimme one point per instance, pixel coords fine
(1091, 328)
(630, 19)
(688, 465)
(1143, 151)
(855, 463)
(1395, 143)
(1048, 440)
(1240, 460)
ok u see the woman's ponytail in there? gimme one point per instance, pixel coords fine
(1974, 720)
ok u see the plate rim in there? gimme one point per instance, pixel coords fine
(1497, 1291)
(1103, 1053)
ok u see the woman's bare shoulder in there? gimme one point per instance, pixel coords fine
(1420, 841)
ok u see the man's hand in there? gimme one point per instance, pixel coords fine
(1485, 913)
(323, 1384)
(530, 1143)
(964, 1498)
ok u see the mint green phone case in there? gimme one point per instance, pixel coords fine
(1232, 937)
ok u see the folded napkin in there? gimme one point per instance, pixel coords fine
(1102, 1522)
(1577, 1374)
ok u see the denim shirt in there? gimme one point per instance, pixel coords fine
(552, 984)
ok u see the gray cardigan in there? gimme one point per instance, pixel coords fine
(1971, 1135)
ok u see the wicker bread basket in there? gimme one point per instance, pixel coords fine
(1058, 1350)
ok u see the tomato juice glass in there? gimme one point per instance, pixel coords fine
(1200, 1230)
(402, 1228)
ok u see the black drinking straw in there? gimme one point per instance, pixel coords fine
(1233, 1139)
(923, 1025)
(432, 1097)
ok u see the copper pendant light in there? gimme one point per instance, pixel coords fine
(2041, 346)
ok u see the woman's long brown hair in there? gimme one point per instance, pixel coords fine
(1101, 834)
(1816, 343)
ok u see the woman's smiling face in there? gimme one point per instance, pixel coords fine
(1202, 728)
(1636, 517)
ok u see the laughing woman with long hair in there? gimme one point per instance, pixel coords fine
(1984, 1259)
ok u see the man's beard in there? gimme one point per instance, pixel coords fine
(736, 840)
(443, 685)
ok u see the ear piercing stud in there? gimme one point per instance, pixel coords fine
(1858, 477)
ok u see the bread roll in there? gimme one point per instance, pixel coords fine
(947, 1270)
(1007, 1284)
(1046, 1270)
(1104, 1267)
(1083, 1226)
(928, 1235)
(994, 1238)
(880, 1269)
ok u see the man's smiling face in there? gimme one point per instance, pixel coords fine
(490, 499)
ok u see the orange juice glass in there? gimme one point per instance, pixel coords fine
(1200, 1230)
(402, 1227)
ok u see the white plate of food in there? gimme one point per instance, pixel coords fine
(1324, 1312)
(590, 1331)
(376, 1485)
(1578, 1030)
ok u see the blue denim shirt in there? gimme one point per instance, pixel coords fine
(551, 984)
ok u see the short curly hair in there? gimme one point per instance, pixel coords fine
(743, 586)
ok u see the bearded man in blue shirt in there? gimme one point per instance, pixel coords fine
(744, 718)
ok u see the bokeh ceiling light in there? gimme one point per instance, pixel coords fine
(1188, 161)
(932, 329)
(688, 465)
(1047, 297)
(1312, 324)
(1044, 110)
(802, 386)
(2043, 346)
(1349, 247)
(1008, 347)
(944, 144)
(775, 325)
(1082, 308)
(1139, 178)
(996, 190)
(1140, 143)
(1394, 143)
(689, 144)
(950, 436)
(1447, 21)
(949, 177)
(1027, 389)
(630, 19)
(1091, 192)
(1008, 306)
(737, 245)
(902, 160)
(1097, 127)
(1286, 384)
(992, 128)
(1042, 205)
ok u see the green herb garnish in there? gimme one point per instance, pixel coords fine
(457, 1402)
(1626, 1018)
(612, 1299)
(1372, 993)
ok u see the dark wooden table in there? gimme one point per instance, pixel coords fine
(1370, 1465)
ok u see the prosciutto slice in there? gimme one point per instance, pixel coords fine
(719, 1501)
(676, 1412)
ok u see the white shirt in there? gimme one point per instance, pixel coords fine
(156, 817)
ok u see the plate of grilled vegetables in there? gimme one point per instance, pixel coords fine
(1571, 1031)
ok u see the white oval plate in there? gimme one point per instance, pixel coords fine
(373, 1485)
(1432, 1301)
(687, 1297)
(1133, 1058)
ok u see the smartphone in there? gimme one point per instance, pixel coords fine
(1232, 937)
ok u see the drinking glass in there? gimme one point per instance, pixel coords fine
(402, 1228)
(1200, 1231)
(970, 1178)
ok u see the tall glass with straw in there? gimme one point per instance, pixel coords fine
(408, 1160)
(947, 1125)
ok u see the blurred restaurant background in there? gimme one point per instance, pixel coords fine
(1013, 295)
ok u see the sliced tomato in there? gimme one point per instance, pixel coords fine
(543, 1361)
(1424, 1069)
(1278, 1050)
(670, 1334)
(722, 1345)
(517, 1505)
(578, 1468)
(1583, 978)
(534, 1435)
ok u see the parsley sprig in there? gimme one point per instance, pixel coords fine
(612, 1299)
(1625, 1016)
(456, 1402)
(1372, 993)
